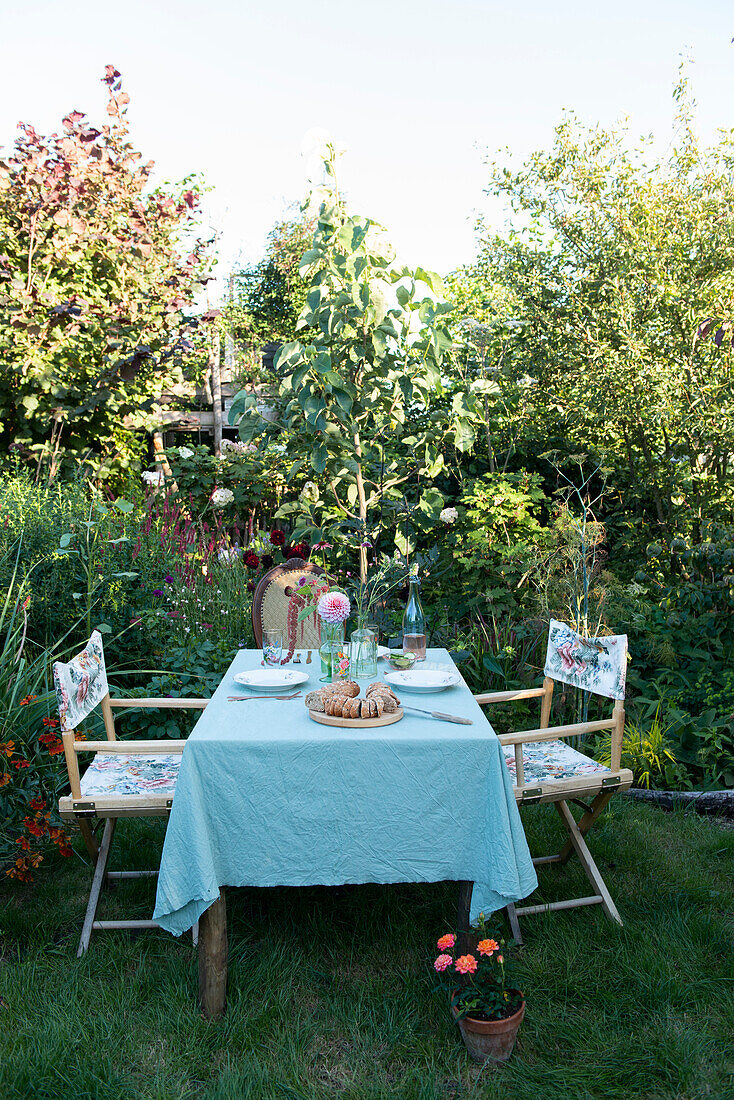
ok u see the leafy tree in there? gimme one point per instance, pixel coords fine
(268, 297)
(97, 272)
(624, 264)
(357, 393)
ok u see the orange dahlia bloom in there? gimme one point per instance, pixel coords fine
(487, 947)
(466, 964)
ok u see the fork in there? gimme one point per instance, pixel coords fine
(248, 698)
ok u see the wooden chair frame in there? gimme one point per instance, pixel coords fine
(91, 811)
(293, 565)
(598, 787)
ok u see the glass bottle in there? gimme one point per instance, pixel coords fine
(363, 654)
(414, 621)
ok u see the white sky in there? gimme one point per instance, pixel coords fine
(419, 90)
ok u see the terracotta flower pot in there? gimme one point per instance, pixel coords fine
(490, 1040)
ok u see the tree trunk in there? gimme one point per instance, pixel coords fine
(362, 499)
(216, 393)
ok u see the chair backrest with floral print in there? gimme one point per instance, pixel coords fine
(81, 684)
(598, 665)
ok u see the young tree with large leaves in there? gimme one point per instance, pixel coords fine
(359, 393)
(97, 273)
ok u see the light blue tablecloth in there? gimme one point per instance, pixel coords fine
(267, 797)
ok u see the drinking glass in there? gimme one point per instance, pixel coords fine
(339, 661)
(272, 647)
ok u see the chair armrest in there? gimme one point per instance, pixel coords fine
(165, 704)
(509, 696)
(130, 747)
(553, 733)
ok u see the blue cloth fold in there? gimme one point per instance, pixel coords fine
(268, 797)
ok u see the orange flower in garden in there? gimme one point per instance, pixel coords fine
(22, 763)
(37, 803)
(54, 750)
(51, 722)
(28, 699)
(466, 964)
(487, 947)
(65, 850)
(446, 942)
(4, 779)
(24, 843)
(33, 827)
(8, 747)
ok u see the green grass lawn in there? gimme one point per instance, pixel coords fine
(330, 989)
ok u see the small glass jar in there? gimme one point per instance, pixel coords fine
(328, 633)
(340, 662)
(364, 654)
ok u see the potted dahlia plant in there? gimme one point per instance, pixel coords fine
(485, 1002)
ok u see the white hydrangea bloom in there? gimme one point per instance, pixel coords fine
(449, 515)
(220, 498)
(185, 452)
(237, 447)
(153, 477)
(310, 492)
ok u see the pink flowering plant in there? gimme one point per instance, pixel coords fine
(480, 982)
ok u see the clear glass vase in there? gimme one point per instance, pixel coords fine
(328, 634)
(363, 654)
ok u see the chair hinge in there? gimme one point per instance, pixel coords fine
(84, 809)
(169, 803)
(611, 781)
(532, 794)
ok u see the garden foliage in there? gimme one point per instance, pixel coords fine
(98, 270)
(555, 444)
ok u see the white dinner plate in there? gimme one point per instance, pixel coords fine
(271, 679)
(422, 679)
(382, 651)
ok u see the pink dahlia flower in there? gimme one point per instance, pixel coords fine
(334, 607)
(446, 942)
(442, 962)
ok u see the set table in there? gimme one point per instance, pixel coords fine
(267, 797)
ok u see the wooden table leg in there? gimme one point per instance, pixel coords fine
(213, 959)
(462, 916)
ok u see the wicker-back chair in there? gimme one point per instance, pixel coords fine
(270, 603)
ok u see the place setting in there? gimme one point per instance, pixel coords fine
(273, 678)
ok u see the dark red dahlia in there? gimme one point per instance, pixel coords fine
(251, 559)
(300, 550)
(277, 538)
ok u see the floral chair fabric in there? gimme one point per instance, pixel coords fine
(81, 684)
(598, 665)
(548, 760)
(115, 774)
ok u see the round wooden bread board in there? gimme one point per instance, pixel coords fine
(355, 723)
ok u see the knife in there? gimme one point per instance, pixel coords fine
(441, 716)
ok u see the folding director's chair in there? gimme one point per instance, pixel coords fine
(124, 779)
(545, 768)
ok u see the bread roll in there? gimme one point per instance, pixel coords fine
(315, 701)
(342, 687)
